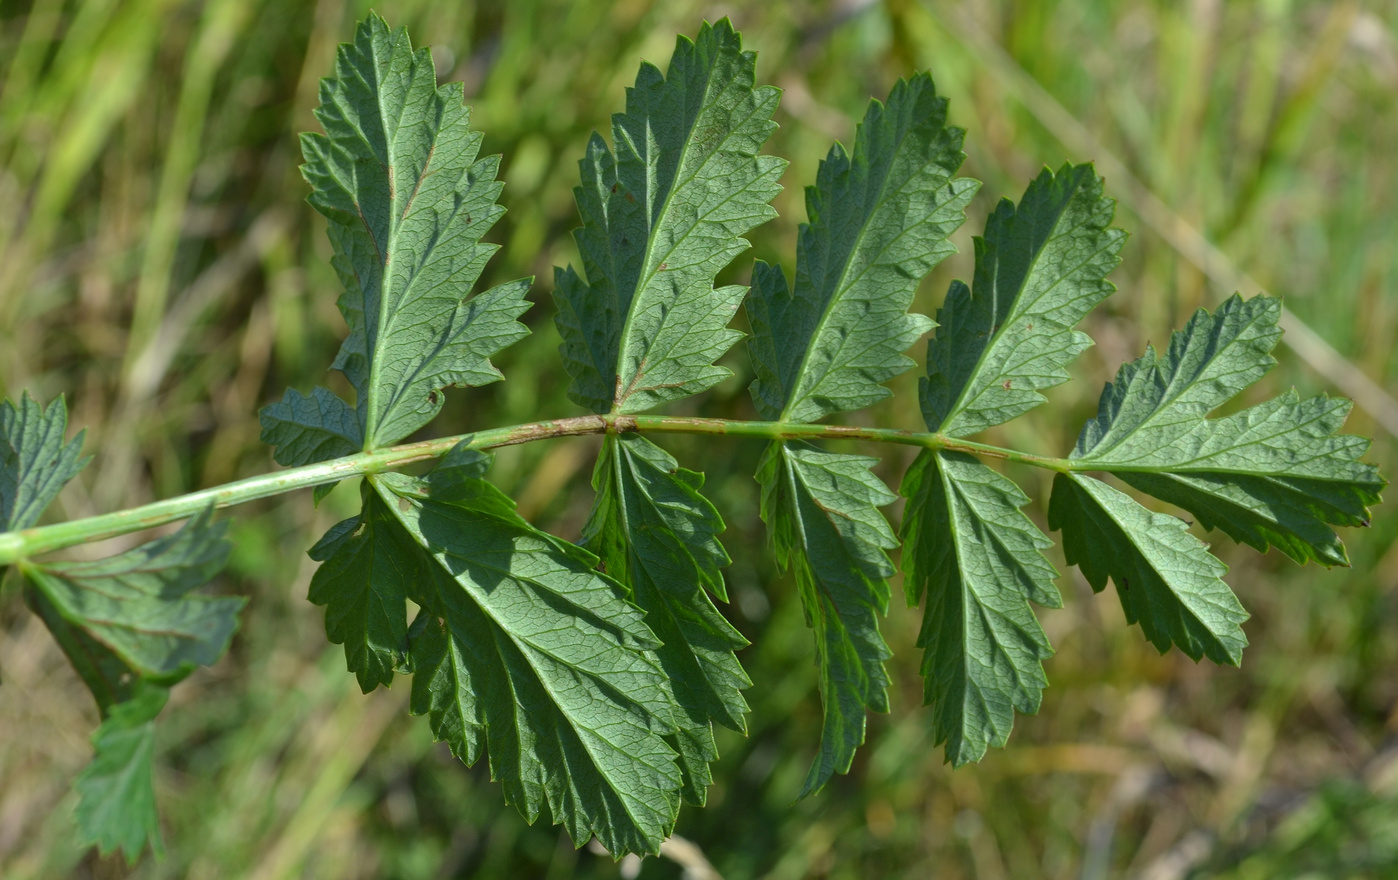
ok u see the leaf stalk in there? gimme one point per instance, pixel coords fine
(26, 543)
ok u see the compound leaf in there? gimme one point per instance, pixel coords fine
(526, 651)
(977, 559)
(1166, 578)
(397, 175)
(658, 536)
(35, 462)
(821, 509)
(1039, 269)
(879, 221)
(661, 218)
(1276, 473)
(138, 606)
(116, 791)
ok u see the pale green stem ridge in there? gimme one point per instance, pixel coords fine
(16, 546)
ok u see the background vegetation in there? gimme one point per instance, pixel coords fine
(159, 265)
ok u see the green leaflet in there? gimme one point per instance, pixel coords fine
(306, 430)
(1276, 473)
(523, 650)
(138, 606)
(368, 568)
(397, 176)
(116, 791)
(35, 463)
(657, 535)
(821, 509)
(879, 222)
(978, 560)
(661, 218)
(1039, 269)
(1166, 578)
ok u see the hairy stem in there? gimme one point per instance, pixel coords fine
(15, 546)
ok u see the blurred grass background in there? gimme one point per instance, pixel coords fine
(159, 266)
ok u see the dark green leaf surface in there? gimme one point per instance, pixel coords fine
(977, 559)
(821, 509)
(110, 679)
(368, 569)
(1039, 269)
(116, 791)
(1168, 581)
(658, 536)
(879, 221)
(306, 430)
(397, 175)
(35, 462)
(527, 652)
(661, 218)
(138, 604)
(1276, 473)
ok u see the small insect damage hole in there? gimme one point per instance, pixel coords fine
(433, 397)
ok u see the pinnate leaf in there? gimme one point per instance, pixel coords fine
(977, 559)
(658, 536)
(821, 509)
(1166, 578)
(116, 791)
(661, 218)
(879, 222)
(1041, 266)
(397, 175)
(1276, 473)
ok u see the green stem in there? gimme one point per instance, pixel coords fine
(15, 546)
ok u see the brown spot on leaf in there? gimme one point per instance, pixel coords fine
(663, 267)
(404, 505)
(1005, 385)
(630, 198)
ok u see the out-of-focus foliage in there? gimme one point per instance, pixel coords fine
(160, 267)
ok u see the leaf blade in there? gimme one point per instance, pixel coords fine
(879, 221)
(821, 510)
(116, 790)
(397, 175)
(1040, 268)
(643, 324)
(656, 534)
(978, 561)
(554, 674)
(1166, 578)
(138, 604)
(35, 462)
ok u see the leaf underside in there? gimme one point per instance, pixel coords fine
(978, 560)
(821, 510)
(522, 650)
(879, 218)
(661, 217)
(656, 534)
(116, 791)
